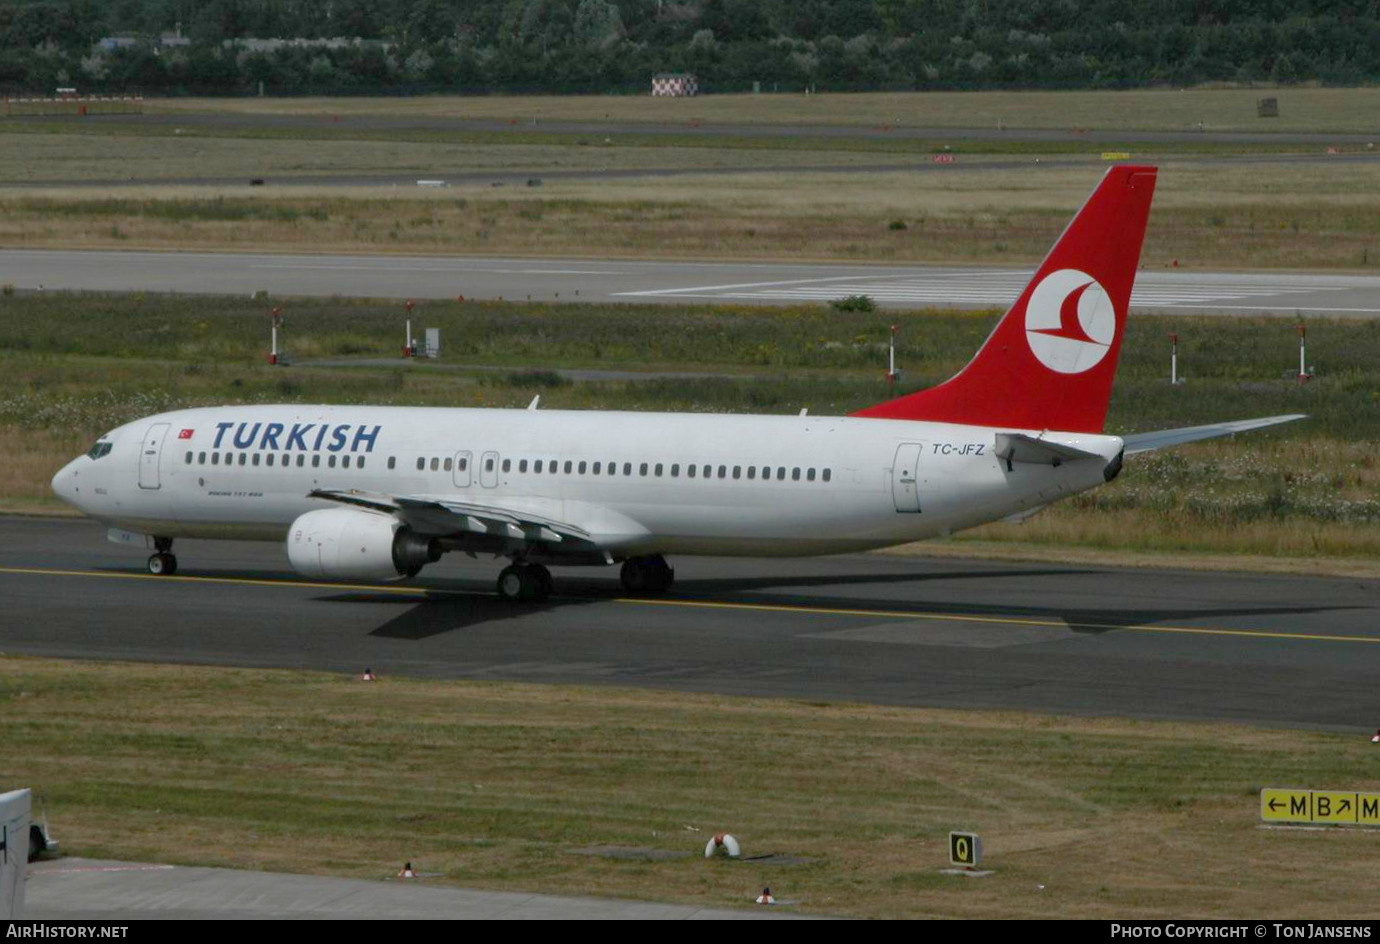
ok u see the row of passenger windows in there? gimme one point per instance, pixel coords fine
(658, 469)
(535, 466)
(268, 459)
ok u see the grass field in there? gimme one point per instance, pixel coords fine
(77, 365)
(1206, 215)
(735, 196)
(500, 785)
(1301, 109)
(31, 156)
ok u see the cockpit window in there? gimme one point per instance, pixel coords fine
(100, 450)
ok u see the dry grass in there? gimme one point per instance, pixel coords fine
(1206, 215)
(495, 785)
(28, 460)
(1293, 502)
(1297, 544)
(37, 157)
(1301, 109)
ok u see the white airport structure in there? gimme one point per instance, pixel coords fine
(15, 807)
(675, 85)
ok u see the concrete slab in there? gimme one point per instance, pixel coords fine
(89, 889)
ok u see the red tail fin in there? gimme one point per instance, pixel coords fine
(1050, 361)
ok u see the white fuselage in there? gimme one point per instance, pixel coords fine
(681, 483)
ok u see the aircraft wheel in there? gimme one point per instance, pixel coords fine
(513, 583)
(633, 575)
(662, 574)
(541, 579)
(162, 565)
(646, 574)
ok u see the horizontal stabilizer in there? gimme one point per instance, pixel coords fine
(1018, 447)
(1021, 517)
(1146, 442)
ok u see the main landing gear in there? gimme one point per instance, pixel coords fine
(647, 574)
(521, 581)
(163, 563)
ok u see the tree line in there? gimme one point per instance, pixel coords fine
(615, 46)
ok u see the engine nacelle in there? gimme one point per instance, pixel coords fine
(345, 544)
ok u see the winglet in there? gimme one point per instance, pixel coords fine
(1050, 362)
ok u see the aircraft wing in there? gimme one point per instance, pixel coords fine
(447, 516)
(1147, 442)
(544, 528)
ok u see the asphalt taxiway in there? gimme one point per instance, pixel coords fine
(863, 628)
(630, 280)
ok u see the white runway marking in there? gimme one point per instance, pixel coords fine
(969, 288)
(457, 269)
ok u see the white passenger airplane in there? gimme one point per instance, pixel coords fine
(377, 493)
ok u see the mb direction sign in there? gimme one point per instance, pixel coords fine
(965, 850)
(1322, 807)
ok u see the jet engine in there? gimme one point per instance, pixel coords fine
(345, 544)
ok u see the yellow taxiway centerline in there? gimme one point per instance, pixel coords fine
(243, 581)
(717, 605)
(1008, 620)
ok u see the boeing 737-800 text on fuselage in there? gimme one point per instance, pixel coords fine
(377, 493)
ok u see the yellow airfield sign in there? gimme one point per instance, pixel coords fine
(1328, 807)
(965, 849)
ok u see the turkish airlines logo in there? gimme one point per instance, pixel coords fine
(1070, 322)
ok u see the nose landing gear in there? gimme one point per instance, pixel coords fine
(163, 563)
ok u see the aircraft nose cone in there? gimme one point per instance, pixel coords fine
(65, 482)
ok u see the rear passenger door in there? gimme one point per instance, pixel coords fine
(905, 478)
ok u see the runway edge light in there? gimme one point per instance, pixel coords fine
(725, 843)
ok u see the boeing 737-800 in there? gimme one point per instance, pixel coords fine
(377, 493)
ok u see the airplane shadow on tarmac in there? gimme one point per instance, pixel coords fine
(450, 610)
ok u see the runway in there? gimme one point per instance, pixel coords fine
(642, 281)
(863, 628)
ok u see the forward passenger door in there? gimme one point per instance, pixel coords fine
(149, 455)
